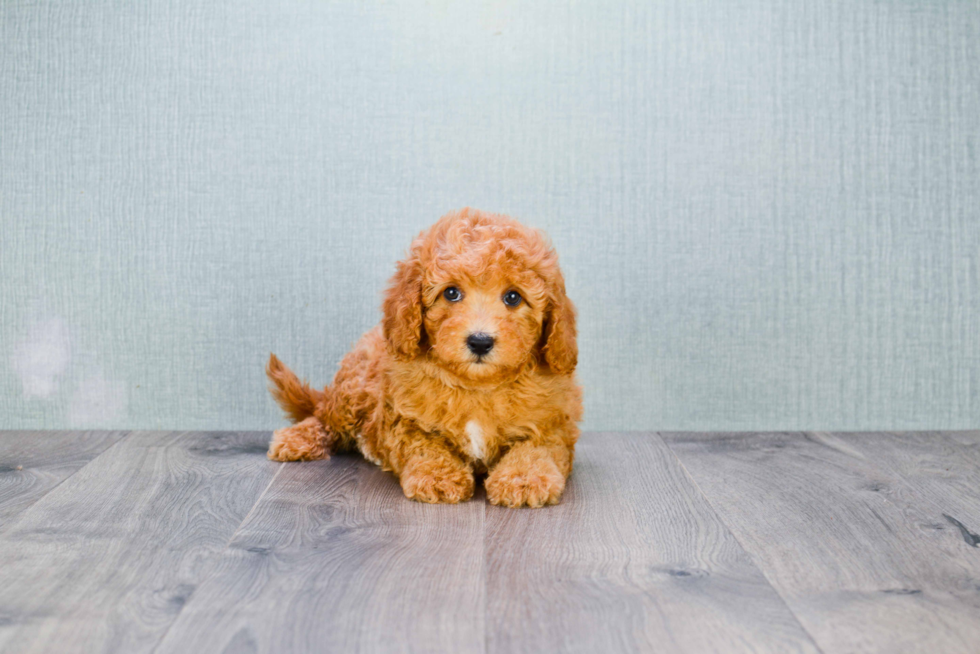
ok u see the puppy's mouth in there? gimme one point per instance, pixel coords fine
(484, 360)
(480, 364)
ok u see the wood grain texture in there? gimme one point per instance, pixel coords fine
(866, 562)
(942, 467)
(176, 542)
(105, 561)
(633, 559)
(333, 558)
(32, 463)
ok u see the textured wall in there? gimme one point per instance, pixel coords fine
(768, 213)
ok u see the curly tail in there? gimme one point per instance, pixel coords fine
(296, 398)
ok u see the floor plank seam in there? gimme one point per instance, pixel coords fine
(486, 581)
(20, 514)
(216, 553)
(741, 545)
(257, 502)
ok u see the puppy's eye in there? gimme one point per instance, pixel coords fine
(452, 294)
(512, 298)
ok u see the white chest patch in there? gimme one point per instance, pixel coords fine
(475, 434)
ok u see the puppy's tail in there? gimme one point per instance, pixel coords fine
(296, 398)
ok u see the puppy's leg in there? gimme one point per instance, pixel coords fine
(305, 441)
(529, 474)
(432, 473)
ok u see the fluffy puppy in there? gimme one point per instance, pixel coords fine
(471, 372)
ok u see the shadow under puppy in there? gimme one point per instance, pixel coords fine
(471, 370)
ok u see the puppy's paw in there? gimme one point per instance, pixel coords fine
(304, 441)
(437, 481)
(534, 483)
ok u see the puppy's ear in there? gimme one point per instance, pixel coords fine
(402, 309)
(561, 345)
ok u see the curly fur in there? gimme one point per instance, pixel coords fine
(413, 399)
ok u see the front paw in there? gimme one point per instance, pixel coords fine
(437, 481)
(534, 483)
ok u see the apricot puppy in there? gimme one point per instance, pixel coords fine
(471, 371)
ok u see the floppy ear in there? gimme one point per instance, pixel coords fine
(402, 309)
(561, 347)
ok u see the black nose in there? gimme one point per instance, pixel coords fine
(479, 343)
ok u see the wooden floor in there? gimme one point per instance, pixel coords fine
(671, 542)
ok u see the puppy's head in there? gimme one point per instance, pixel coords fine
(481, 295)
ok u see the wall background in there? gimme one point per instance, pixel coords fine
(768, 213)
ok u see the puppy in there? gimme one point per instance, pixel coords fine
(471, 372)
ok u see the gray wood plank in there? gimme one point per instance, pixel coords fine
(942, 467)
(34, 462)
(106, 561)
(335, 559)
(854, 550)
(633, 559)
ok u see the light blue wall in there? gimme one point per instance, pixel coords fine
(768, 213)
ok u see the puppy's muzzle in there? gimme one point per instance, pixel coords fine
(479, 343)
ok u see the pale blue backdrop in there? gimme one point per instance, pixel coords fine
(768, 212)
